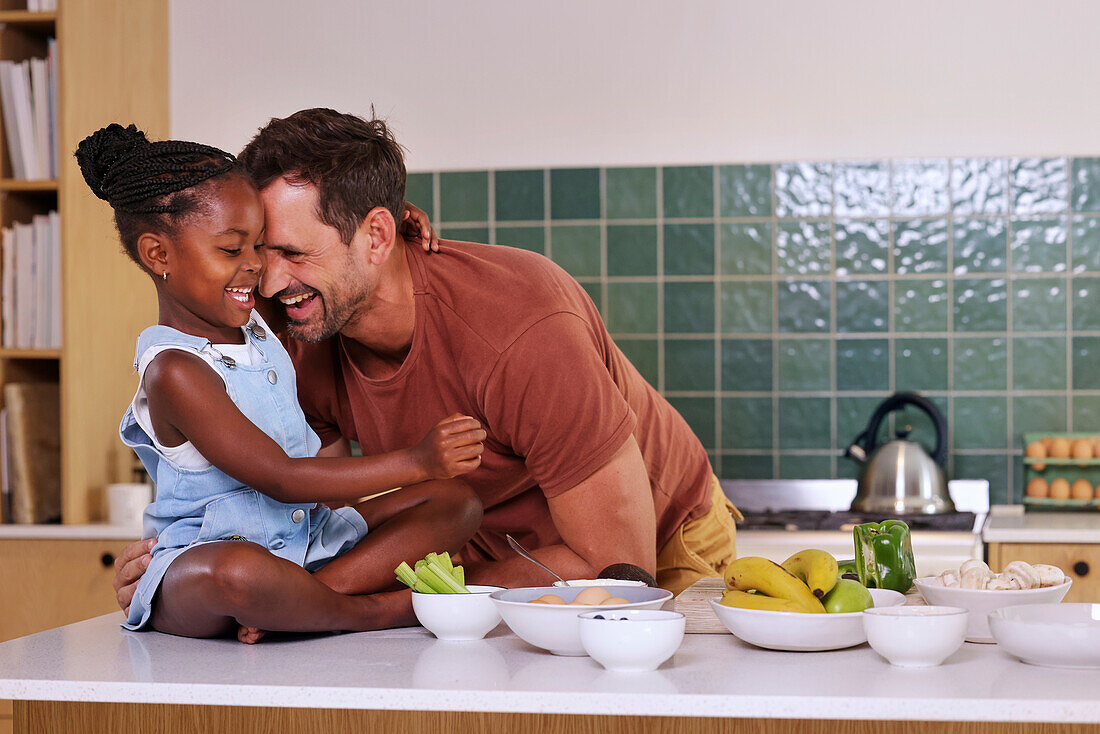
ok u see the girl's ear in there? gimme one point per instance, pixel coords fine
(153, 254)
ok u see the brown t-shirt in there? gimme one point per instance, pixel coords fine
(508, 337)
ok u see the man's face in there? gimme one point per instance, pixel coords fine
(320, 281)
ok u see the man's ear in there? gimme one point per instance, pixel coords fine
(153, 253)
(379, 232)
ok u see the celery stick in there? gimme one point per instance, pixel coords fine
(439, 580)
(447, 577)
(422, 588)
(427, 575)
(421, 563)
(445, 560)
(460, 575)
(405, 574)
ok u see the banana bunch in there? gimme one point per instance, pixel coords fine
(796, 585)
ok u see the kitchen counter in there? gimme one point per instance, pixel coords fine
(1010, 524)
(408, 670)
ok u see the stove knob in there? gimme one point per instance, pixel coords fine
(1081, 568)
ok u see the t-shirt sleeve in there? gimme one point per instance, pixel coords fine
(551, 398)
(316, 385)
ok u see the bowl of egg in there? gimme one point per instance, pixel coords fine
(548, 616)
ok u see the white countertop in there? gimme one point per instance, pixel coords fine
(711, 675)
(1010, 524)
(92, 531)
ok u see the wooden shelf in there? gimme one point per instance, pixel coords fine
(27, 19)
(16, 184)
(6, 353)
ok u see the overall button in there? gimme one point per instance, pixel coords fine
(272, 377)
(276, 544)
(257, 331)
(298, 515)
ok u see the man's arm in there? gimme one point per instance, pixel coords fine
(607, 518)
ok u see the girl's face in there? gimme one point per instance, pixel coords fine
(214, 262)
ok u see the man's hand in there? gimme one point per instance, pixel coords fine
(416, 225)
(129, 568)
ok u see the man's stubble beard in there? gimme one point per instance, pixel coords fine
(339, 311)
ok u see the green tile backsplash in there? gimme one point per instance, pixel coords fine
(776, 305)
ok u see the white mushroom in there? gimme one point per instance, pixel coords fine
(1049, 575)
(974, 575)
(1003, 582)
(947, 578)
(1023, 573)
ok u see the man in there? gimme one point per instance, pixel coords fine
(584, 463)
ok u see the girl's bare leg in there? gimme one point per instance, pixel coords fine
(215, 588)
(405, 525)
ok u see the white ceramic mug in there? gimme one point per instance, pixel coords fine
(126, 503)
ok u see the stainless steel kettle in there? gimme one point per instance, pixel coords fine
(900, 477)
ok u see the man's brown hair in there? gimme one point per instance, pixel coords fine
(356, 164)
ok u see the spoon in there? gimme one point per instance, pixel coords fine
(523, 552)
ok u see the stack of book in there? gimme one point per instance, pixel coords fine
(30, 453)
(28, 100)
(31, 285)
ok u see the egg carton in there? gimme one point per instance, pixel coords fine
(1070, 469)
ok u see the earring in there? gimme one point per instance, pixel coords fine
(164, 275)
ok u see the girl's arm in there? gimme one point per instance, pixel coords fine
(188, 400)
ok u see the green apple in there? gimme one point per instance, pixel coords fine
(847, 596)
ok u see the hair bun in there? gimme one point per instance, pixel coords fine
(98, 152)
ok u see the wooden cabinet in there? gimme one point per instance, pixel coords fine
(49, 583)
(113, 67)
(1081, 561)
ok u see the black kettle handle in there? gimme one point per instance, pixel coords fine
(899, 400)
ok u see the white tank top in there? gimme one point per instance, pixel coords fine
(185, 456)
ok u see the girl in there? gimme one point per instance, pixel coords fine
(217, 425)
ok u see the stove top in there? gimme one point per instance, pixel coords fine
(769, 519)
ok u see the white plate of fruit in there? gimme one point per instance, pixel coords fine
(801, 605)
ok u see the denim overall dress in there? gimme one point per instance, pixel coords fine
(194, 507)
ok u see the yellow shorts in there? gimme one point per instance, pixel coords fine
(701, 547)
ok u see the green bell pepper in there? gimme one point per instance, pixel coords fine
(884, 555)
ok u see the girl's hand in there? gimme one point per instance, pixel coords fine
(451, 448)
(416, 225)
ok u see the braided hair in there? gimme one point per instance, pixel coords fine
(152, 186)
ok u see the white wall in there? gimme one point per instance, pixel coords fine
(515, 83)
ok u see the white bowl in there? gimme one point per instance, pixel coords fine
(980, 602)
(915, 636)
(631, 640)
(599, 582)
(801, 632)
(555, 627)
(458, 616)
(1054, 635)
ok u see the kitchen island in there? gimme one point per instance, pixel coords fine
(93, 676)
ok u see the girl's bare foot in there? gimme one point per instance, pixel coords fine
(250, 635)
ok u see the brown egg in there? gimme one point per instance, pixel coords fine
(1095, 446)
(1036, 450)
(591, 595)
(1081, 490)
(1097, 492)
(1081, 448)
(1037, 487)
(550, 599)
(1046, 441)
(1059, 489)
(614, 600)
(1059, 448)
